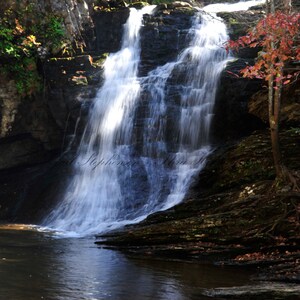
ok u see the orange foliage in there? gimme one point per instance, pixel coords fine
(278, 35)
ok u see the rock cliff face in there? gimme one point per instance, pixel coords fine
(164, 35)
(232, 119)
(30, 133)
(25, 117)
(32, 116)
(71, 83)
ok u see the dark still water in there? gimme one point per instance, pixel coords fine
(35, 265)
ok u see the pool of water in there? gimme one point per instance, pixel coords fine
(38, 265)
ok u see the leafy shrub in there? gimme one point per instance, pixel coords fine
(26, 35)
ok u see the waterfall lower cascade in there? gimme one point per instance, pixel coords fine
(124, 172)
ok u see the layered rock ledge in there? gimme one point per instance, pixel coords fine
(232, 216)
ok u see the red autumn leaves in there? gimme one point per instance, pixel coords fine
(278, 35)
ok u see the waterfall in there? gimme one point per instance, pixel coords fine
(93, 197)
(124, 172)
(230, 7)
(202, 63)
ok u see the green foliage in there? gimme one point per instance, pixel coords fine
(25, 74)
(23, 35)
(50, 32)
(233, 21)
(294, 131)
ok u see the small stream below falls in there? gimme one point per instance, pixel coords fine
(35, 266)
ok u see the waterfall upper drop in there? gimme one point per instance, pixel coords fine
(201, 64)
(230, 7)
(124, 172)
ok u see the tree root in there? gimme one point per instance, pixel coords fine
(292, 178)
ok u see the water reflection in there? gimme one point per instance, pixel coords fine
(34, 265)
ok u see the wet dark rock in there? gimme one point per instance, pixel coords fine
(28, 193)
(163, 36)
(21, 150)
(138, 4)
(29, 134)
(259, 291)
(109, 29)
(72, 84)
(238, 23)
(290, 105)
(246, 161)
(231, 116)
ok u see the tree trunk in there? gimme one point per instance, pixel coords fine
(274, 112)
(282, 172)
(274, 99)
(287, 6)
(272, 6)
(267, 6)
(274, 118)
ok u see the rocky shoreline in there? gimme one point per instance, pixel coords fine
(236, 218)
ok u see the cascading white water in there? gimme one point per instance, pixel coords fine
(202, 62)
(208, 58)
(230, 7)
(93, 198)
(121, 178)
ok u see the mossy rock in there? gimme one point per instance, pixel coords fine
(239, 22)
(99, 61)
